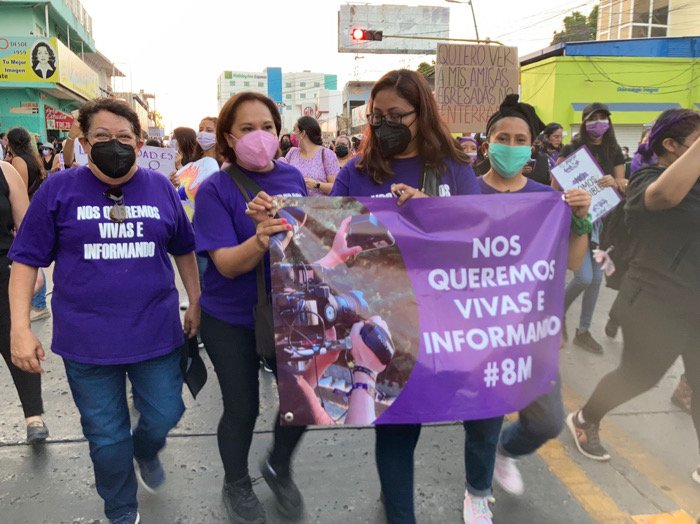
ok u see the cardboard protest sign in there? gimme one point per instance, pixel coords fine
(580, 170)
(161, 159)
(440, 323)
(471, 81)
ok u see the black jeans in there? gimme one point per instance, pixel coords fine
(232, 351)
(655, 334)
(28, 384)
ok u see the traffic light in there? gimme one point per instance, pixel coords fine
(360, 35)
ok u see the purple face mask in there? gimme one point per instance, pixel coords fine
(597, 128)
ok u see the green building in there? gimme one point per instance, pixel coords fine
(637, 79)
(49, 65)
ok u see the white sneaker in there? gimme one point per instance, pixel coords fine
(184, 305)
(507, 474)
(476, 509)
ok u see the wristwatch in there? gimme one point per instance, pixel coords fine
(318, 185)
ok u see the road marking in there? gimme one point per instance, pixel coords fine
(676, 488)
(677, 517)
(592, 499)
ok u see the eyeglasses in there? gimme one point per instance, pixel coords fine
(103, 136)
(392, 119)
(118, 211)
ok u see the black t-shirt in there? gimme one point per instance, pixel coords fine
(606, 164)
(665, 244)
(540, 172)
(7, 223)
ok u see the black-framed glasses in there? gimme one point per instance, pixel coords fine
(104, 136)
(393, 119)
(118, 211)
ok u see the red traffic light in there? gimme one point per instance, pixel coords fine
(360, 35)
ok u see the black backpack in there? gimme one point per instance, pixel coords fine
(616, 238)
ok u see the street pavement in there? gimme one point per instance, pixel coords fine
(652, 443)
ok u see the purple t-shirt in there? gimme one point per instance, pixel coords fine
(114, 297)
(459, 179)
(220, 221)
(320, 167)
(530, 187)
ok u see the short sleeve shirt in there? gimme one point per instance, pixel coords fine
(220, 222)
(458, 179)
(320, 167)
(114, 298)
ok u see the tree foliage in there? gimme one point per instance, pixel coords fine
(578, 28)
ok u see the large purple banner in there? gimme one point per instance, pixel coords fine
(443, 309)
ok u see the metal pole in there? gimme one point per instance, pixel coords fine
(46, 17)
(471, 4)
(445, 39)
(68, 33)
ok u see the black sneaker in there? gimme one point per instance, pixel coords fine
(289, 500)
(242, 506)
(585, 340)
(611, 328)
(587, 438)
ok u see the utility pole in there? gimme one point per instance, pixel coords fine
(471, 4)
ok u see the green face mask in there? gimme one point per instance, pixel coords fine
(508, 161)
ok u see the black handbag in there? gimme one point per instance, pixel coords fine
(262, 311)
(429, 182)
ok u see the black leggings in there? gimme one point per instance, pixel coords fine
(232, 351)
(28, 384)
(655, 334)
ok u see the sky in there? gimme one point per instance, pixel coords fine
(178, 49)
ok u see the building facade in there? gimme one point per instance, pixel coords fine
(49, 65)
(296, 94)
(637, 79)
(626, 19)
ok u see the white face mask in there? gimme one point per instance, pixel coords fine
(206, 140)
(46, 152)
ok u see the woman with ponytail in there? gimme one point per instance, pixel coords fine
(659, 297)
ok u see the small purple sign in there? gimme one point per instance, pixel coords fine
(443, 309)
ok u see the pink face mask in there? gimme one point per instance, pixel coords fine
(293, 140)
(256, 149)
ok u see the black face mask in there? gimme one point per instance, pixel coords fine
(393, 140)
(342, 151)
(113, 158)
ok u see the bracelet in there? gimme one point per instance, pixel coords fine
(371, 390)
(581, 226)
(366, 371)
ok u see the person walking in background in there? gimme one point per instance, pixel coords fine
(13, 206)
(318, 164)
(596, 132)
(343, 150)
(26, 161)
(114, 300)
(657, 303)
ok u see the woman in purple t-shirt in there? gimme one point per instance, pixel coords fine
(110, 227)
(246, 134)
(318, 164)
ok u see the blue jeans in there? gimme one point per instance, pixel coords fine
(201, 267)
(39, 300)
(587, 280)
(539, 422)
(480, 445)
(99, 392)
(394, 449)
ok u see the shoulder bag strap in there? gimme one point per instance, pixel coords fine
(244, 182)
